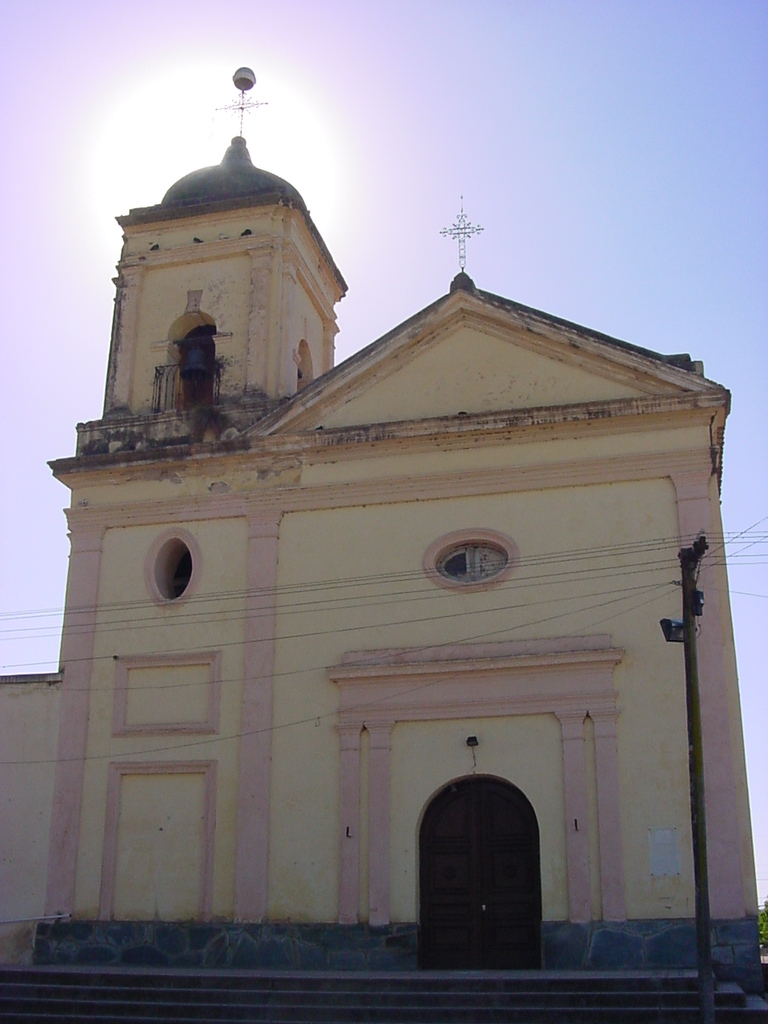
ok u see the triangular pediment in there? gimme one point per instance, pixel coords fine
(474, 353)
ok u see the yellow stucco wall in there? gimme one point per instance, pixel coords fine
(734, 706)
(466, 370)
(160, 847)
(258, 272)
(29, 713)
(131, 624)
(596, 558)
(375, 596)
(225, 284)
(350, 578)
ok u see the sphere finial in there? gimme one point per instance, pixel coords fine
(244, 79)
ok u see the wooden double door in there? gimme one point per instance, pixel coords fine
(480, 881)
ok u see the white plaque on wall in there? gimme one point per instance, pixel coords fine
(664, 852)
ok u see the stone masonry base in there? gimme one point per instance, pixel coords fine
(629, 945)
(654, 945)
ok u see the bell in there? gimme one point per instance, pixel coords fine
(193, 362)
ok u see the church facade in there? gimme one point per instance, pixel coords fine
(361, 664)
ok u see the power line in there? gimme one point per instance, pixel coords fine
(193, 610)
(336, 630)
(605, 551)
(271, 728)
(195, 607)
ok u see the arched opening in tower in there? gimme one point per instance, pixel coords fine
(197, 365)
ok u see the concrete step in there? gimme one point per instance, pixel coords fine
(116, 995)
(50, 997)
(519, 1016)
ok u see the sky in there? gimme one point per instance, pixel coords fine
(616, 155)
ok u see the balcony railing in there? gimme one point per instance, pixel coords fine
(173, 393)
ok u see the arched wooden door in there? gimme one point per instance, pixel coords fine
(480, 878)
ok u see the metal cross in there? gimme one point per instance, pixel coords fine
(244, 80)
(461, 231)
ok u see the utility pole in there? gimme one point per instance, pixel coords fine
(692, 606)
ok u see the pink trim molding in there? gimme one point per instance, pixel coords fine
(726, 882)
(109, 856)
(570, 677)
(76, 661)
(469, 536)
(378, 821)
(269, 502)
(576, 815)
(210, 724)
(609, 815)
(349, 822)
(252, 857)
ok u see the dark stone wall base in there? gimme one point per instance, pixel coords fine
(297, 947)
(654, 945)
(598, 945)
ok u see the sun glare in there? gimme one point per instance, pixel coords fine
(169, 123)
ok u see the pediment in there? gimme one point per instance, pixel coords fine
(473, 353)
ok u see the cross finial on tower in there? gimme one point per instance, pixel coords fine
(244, 80)
(461, 231)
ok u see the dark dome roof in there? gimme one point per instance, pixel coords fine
(234, 178)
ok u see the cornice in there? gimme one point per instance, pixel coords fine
(576, 702)
(32, 678)
(376, 439)
(567, 343)
(161, 215)
(233, 248)
(605, 355)
(351, 674)
(276, 500)
(196, 253)
(568, 683)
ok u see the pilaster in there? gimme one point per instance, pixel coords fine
(288, 332)
(330, 330)
(273, 339)
(124, 340)
(378, 822)
(253, 807)
(609, 815)
(258, 320)
(349, 821)
(576, 815)
(77, 641)
(726, 884)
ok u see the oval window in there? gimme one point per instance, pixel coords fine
(470, 559)
(172, 566)
(472, 563)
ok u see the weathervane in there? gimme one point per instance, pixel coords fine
(461, 231)
(244, 80)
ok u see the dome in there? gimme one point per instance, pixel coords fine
(234, 178)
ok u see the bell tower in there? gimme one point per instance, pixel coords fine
(225, 300)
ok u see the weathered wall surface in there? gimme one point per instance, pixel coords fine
(359, 571)
(259, 279)
(29, 724)
(224, 284)
(131, 625)
(217, 726)
(469, 370)
(594, 559)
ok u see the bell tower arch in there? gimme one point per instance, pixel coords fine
(235, 247)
